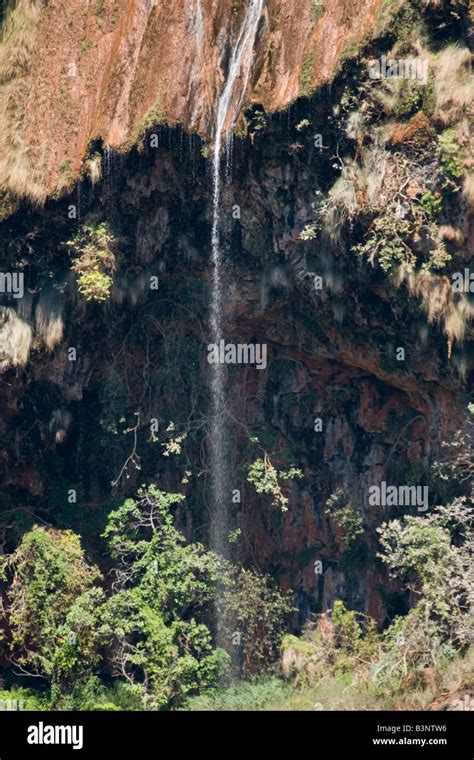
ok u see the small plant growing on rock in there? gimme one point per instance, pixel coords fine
(266, 479)
(303, 124)
(174, 443)
(316, 10)
(346, 519)
(430, 203)
(450, 161)
(94, 260)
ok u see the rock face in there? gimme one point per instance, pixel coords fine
(107, 68)
(143, 357)
(92, 394)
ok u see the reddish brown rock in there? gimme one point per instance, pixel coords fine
(105, 69)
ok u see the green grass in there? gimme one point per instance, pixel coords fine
(274, 694)
(155, 116)
(306, 76)
(260, 695)
(23, 699)
(341, 691)
(316, 10)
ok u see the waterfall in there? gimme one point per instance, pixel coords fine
(107, 173)
(227, 110)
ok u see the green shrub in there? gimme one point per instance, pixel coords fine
(249, 607)
(450, 160)
(410, 99)
(24, 699)
(339, 641)
(346, 518)
(94, 260)
(266, 479)
(252, 696)
(155, 619)
(433, 554)
(52, 606)
(431, 204)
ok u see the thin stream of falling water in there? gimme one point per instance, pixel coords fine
(239, 68)
(228, 157)
(107, 170)
(79, 201)
(228, 108)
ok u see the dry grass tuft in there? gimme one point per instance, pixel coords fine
(454, 84)
(94, 168)
(343, 199)
(15, 339)
(17, 174)
(442, 305)
(453, 234)
(468, 190)
(49, 316)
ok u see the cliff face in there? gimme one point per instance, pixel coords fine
(71, 73)
(143, 357)
(92, 393)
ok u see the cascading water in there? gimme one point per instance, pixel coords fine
(227, 110)
(107, 172)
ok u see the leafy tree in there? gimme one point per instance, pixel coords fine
(253, 616)
(433, 556)
(159, 642)
(166, 594)
(152, 629)
(456, 465)
(52, 606)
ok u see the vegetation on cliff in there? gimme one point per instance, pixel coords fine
(347, 222)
